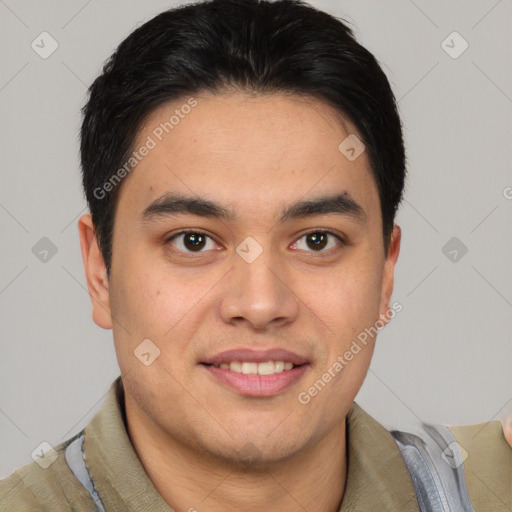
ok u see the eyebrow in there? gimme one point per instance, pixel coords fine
(172, 204)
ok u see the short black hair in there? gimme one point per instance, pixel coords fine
(258, 46)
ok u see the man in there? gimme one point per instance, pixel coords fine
(243, 162)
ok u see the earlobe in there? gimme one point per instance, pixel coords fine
(95, 272)
(389, 272)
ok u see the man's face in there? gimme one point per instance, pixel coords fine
(254, 282)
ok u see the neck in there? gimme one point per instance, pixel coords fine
(188, 480)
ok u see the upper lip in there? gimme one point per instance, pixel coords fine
(255, 356)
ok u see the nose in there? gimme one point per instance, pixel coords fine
(259, 294)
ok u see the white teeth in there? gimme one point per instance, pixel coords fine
(266, 368)
(235, 366)
(249, 368)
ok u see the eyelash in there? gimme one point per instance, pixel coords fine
(313, 253)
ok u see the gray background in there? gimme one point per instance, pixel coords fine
(445, 358)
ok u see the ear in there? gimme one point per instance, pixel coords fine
(389, 272)
(95, 272)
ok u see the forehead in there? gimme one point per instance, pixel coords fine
(245, 150)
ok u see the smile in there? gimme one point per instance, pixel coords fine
(251, 368)
(263, 379)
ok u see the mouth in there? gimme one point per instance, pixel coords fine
(252, 373)
(250, 368)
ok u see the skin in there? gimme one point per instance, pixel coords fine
(204, 445)
(507, 428)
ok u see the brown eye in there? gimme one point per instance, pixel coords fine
(317, 241)
(191, 241)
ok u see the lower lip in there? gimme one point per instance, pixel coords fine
(257, 385)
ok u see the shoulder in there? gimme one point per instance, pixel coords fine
(14, 496)
(487, 464)
(43, 487)
(469, 467)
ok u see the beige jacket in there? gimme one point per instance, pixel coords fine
(377, 479)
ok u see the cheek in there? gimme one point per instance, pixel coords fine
(348, 300)
(146, 297)
(157, 303)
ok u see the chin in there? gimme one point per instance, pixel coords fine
(256, 453)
